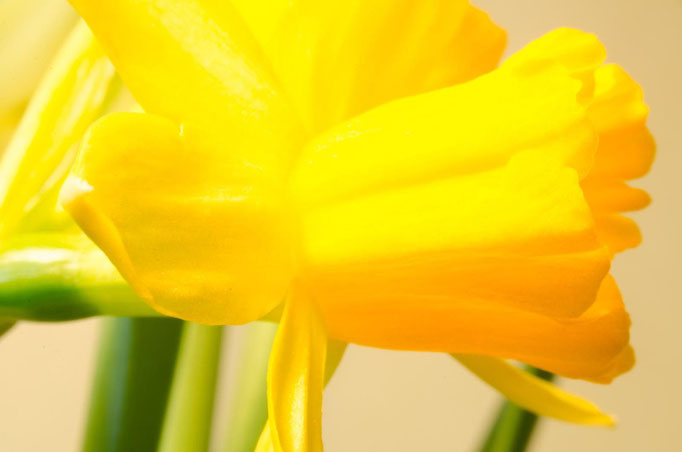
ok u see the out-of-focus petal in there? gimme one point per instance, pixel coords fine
(8, 122)
(31, 31)
(339, 58)
(296, 377)
(42, 149)
(219, 82)
(627, 154)
(534, 101)
(197, 231)
(533, 393)
(510, 236)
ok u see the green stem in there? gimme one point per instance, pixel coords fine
(248, 409)
(187, 426)
(513, 426)
(50, 277)
(132, 381)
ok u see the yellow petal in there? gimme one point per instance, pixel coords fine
(219, 81)
(605, 194)
(509, 236)
(296, 378)
(339, 58)
(446, 207)
(42, 149)
(199, 232)
(533, 393)
(626, 151)
(577, 52)
(626, 154)
(32, 31)
(589, 347)
(264, 17)
(532, 101)
(265, 443)
(8, 122)
(335, 351)
(618, 100)
(618, 232)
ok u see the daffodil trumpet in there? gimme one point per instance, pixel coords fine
(369, 172)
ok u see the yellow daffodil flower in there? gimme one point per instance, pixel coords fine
(363, 170)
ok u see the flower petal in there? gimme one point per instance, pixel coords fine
(340, 58)
(519, 236)
(590, 347)
(534, 101)
(414, 211)
(37, 158)
(8, 122)
(32, 31)
(220, 81)
(265, 443)
(626, 151)
(605, 194)
(618, 232)
(533, 393)
(296, 377)
(335, 352)
(198, 232)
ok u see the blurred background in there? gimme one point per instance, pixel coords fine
(394, 401)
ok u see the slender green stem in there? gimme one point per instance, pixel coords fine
(248, 410)
(59, 276)
(132, 381)
(513, 426)
(187, 426)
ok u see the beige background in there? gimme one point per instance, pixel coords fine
(390, 401)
